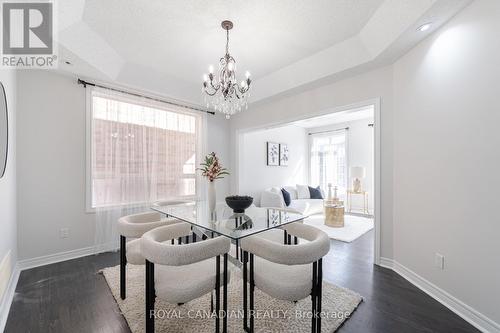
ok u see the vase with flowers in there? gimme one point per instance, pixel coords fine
(212, 169)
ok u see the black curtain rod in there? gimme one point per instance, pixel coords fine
(86, 83)
(335, 130)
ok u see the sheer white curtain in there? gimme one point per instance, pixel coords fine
(141, 151)
(329, 161)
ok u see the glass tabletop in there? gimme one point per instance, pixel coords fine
(224, 222)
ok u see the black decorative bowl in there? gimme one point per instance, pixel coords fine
(239, 203)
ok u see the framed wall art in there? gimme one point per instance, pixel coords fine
(273, 153)
(284, 154)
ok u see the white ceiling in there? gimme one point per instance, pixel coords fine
(181, 38)
(165, 46)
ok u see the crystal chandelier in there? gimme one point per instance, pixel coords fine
(222, 91)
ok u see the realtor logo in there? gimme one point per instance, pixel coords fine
(27, 35)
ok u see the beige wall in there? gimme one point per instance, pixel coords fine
(447, 157)
(440, 154)
(51, 165)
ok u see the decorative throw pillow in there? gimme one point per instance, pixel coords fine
(286, 197)
(303, 192)
(315, 193)
(292, 190)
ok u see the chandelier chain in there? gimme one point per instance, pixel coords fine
(227, 41)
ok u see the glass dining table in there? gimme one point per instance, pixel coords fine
(223, 221)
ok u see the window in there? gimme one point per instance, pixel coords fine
(328, 159)
(140, 150)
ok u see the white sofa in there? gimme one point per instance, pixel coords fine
(272, 197)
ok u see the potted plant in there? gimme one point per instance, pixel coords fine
(212, 170)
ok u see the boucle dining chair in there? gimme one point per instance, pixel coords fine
(285, 271)
(134, 226)
(180, 273)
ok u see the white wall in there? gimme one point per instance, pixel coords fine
(447, 157)
(217, 141)
(360, 153)
(255, 175)
(324, 100)
(51, 163)
(8, 225)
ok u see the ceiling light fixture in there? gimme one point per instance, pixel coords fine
(424, 27)
(222, 91)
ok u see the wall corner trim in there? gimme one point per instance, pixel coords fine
(472, 316)
(8, 296)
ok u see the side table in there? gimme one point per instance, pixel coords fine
(334, 214)
(350, 193)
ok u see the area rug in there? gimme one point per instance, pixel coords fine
(354, 227)
(272, 315)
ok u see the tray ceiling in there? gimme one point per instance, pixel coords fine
(166, 46)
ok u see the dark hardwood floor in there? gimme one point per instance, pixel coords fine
(72, 297)
(391, 304)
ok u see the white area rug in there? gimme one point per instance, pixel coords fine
(354, 227)
(273, 316)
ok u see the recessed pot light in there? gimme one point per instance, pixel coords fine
(424, 27)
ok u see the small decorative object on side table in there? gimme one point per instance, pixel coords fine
(357, 173)
(334, 210)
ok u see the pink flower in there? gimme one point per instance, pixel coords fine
(212, 169)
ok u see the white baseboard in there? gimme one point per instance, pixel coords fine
(386, 262)
(472, 316)
(63, 256)
(8, 296)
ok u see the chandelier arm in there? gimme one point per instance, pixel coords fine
(235, 90)
(209, 93)
(243, 90)
(216, 87)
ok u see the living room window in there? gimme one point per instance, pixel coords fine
(140, 150)
(328, 161)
